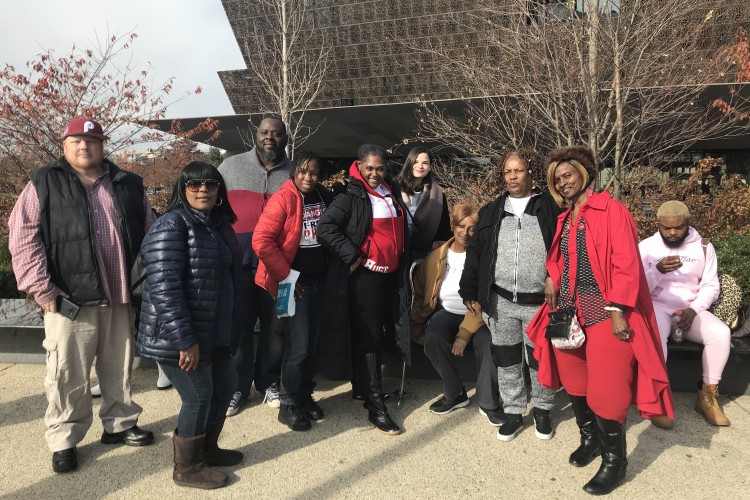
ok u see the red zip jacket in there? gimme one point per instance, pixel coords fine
(384, 244)
(277, 235)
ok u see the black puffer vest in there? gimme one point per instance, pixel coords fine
(66, 227)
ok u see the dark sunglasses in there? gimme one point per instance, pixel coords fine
(194, 185)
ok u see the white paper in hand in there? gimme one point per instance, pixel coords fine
(285, 304)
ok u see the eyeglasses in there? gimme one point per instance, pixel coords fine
(195, 185)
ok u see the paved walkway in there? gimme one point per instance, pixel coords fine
(450, 456)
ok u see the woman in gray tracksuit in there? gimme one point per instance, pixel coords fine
(516, 230)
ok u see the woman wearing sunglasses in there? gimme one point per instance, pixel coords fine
(190, 317)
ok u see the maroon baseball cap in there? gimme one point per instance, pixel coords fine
(84, 126)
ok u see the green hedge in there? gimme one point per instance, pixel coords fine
(733, 254)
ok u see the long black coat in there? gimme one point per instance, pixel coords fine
(342, 229)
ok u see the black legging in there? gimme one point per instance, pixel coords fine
(371, 307)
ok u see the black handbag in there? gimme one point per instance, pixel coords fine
(563, 329)
(560, 322)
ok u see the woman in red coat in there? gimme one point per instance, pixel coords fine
(595, 266)
(285, 239)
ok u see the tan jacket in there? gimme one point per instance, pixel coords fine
(426, 281)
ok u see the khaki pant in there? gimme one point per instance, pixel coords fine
(104, 332)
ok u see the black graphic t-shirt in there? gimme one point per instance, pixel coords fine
(310, 259)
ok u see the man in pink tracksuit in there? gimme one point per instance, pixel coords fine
(681, 272)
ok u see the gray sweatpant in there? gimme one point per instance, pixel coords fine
(511, 348)
(440, 333)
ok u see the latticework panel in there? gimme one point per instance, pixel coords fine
(386, 51)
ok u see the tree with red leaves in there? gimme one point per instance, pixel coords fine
(739, 54)
(98, 82)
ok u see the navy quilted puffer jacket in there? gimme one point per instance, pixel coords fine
(180, 300)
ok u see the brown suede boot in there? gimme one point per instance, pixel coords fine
(662, 422)
(707, 405)
(189, 468)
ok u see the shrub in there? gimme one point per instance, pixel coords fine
(733, 254)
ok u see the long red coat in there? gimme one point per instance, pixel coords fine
(612, 244)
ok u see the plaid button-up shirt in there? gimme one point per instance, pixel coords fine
(30, 257)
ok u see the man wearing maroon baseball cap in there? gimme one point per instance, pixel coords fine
(84, 127)
(75, 232)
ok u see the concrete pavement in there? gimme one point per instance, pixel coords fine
(450, 456)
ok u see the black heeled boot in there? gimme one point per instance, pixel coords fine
(586, 420)
(614, 460)
(358, 385)
(377, 412)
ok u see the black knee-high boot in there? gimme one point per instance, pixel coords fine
(358, 389)
(377, 412)
(614, 458)
(586, 420)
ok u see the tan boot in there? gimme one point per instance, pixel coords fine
(707, 405)
(189, 468)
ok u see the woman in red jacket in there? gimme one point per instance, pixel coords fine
(285, 239)
(595, 267)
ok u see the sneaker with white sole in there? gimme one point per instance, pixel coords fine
(443, 406)
(496, 418)
(96, 391)
(510, 429)
(238, 399)
(272, 396)
(543, 424)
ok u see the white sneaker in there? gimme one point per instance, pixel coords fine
(272, 396)
(163, 381)
(238, 399)
(96, 391)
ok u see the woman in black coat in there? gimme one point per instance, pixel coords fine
(190, 317)
(365, 229)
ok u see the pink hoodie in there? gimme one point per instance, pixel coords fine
(695, 285)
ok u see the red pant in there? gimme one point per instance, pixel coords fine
(602, 370)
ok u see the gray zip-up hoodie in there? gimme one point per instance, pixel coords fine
(521, 253)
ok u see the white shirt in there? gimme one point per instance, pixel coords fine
(519, 205)
(449, 297)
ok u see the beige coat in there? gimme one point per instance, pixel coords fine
(426, 282)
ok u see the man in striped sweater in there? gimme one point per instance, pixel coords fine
(252, 178)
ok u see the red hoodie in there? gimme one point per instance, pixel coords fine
(384, 244)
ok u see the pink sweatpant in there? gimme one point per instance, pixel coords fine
(706, 329)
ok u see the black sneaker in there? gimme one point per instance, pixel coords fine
(293, 418)
(543, 424)
(310, 408)
(510, 429)
(494, 417)
(443, 406)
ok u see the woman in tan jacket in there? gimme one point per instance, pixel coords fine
(441, 322)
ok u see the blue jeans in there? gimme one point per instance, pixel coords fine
(205, 392)
(298, 364)
(265, 366)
